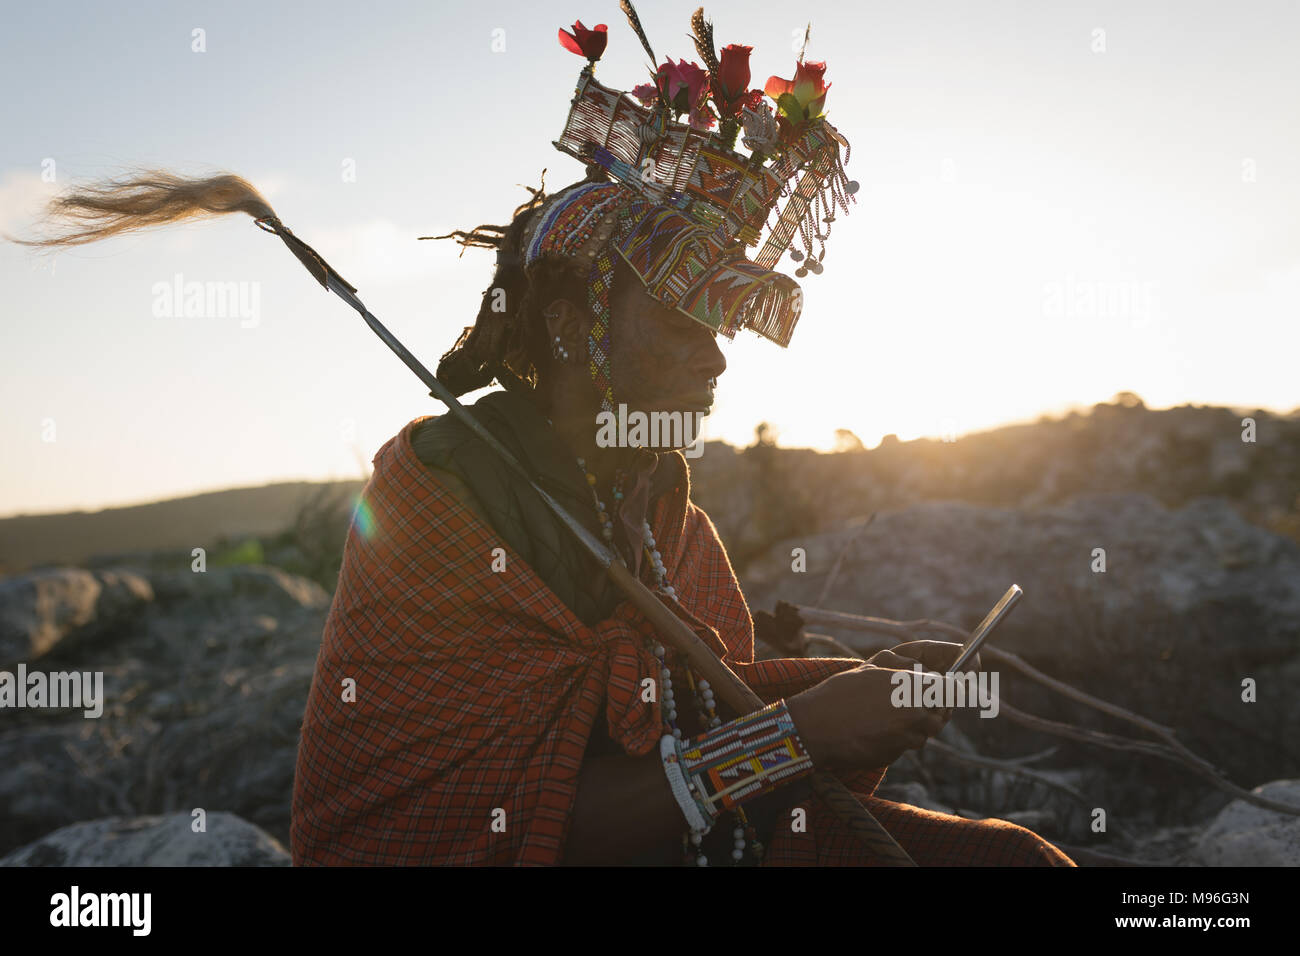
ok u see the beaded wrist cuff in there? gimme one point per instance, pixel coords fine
(691, 810)
(744, 759)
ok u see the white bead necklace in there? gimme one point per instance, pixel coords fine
(703, 693)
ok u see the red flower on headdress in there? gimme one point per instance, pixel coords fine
(802, 98)
(684, 84)
(733, 78)
(684, 87)
(584, 42)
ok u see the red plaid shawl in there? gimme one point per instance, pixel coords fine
(476, 691)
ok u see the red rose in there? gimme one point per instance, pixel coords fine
(733, 70)
(584, 42)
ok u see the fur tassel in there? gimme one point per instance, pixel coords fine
(149, 198)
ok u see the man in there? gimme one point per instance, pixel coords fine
(483, 693)
(480, 696)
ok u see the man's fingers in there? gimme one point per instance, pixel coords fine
(933, 655)
(893, 661)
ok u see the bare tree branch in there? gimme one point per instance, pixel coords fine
(1170, 748)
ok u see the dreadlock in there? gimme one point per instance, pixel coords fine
(508, 340)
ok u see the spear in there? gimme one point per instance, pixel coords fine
(160, 197)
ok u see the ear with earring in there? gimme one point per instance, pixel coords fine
(558, 351)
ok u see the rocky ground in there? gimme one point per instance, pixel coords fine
(205, 678)
(1193, 602)
(206, 674)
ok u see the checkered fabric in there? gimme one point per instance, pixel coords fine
(452, 703)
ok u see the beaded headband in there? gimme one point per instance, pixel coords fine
(578, 224)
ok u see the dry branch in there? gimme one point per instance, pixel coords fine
(1170, 748)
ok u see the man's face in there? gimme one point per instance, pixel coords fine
(661, 359)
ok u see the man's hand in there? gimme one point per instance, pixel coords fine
(849, 721)
(931, 655)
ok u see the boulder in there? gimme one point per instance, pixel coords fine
(153, 841)
(203, 699)
(43, 609)
(1244, 834)
(269, 586)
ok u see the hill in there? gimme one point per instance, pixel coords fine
(176, 524)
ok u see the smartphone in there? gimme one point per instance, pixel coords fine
(977, 636)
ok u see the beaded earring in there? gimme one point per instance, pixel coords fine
(558, 351)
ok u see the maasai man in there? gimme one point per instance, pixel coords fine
(483, 694)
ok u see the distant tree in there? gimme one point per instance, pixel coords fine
(783, 503)
(845, 440)
(1128, 400)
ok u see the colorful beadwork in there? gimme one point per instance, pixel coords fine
(599, 283)
(746, 758)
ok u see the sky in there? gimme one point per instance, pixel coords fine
(1058, 202)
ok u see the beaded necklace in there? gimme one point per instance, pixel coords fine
(743, 833)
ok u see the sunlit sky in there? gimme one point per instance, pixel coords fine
(1059, 201)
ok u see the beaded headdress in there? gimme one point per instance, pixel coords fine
(680, 204)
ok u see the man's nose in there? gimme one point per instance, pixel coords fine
(710, 361)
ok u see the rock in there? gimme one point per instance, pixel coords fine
(1192, 601)
(42, 609)
(1166, 846)
(1246, 835)
(154, 841)
(273, 588)
(951, 561)
(249, 744)
(203, 699)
